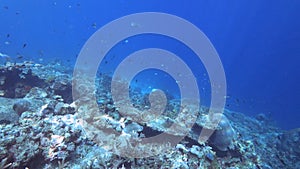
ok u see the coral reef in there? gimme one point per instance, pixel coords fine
(41, 126)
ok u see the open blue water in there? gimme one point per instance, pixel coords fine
(258, 43)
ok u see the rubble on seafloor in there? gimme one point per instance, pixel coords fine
(41, 126)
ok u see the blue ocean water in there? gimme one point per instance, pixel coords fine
(258, 43)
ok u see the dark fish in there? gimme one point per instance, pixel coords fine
(24, 45)
(8, 35)
(94, 25)
(5, 7)
(19, 57)
(18, 12)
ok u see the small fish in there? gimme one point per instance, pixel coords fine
(4, 56)
(94, 25)
(226, 97)
(8, 35)
(24, 45)
(19, 56)
(5, 7)
(133, 24)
